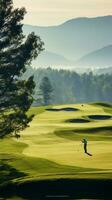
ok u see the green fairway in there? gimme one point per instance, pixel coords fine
(50, 137)
(51, 147)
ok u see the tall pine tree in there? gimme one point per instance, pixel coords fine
(16, 53)
(46, 90)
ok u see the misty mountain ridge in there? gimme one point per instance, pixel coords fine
(106, 70)
(101, 58)
(75, 39)
(47, 58)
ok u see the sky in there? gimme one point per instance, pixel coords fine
(54, 12)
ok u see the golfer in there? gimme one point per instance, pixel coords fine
(84, 141)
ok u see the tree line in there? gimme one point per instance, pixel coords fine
(71, 87)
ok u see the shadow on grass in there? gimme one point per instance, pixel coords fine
(74, 134)
(103, 104)
(8, 173)
(63, 189)
(77, 121)
(95, 130)
(89, 154)
(86, 130)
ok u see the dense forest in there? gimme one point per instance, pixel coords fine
(71, 87)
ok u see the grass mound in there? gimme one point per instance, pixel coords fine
(62, 109)
(105, 129)
(100, 117)
(77, 120)
(103, 104)
(92, 133)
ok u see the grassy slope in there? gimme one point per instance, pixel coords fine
(52, 148)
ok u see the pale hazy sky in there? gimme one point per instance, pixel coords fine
(53, 12)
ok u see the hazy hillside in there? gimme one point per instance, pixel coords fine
(77, 37)
(101, 58)
(47, 58)
(107, 70)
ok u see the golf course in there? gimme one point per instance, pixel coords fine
(51, 147)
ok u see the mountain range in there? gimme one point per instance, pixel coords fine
(77, 42)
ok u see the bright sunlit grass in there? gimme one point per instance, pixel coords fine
(51, 146)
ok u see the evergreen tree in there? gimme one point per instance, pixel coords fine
(46, 89)
(16, 53)
(38, 98)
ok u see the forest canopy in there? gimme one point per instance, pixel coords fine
(71, 87)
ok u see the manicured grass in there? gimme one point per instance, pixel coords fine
(37, 110)
(51, 147)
